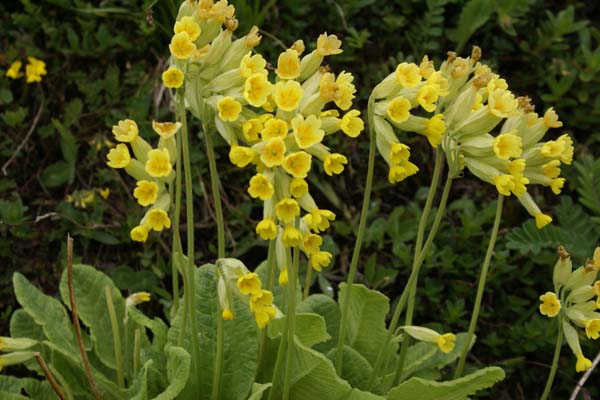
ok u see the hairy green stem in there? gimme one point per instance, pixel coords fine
(270, 285)
(190, 289)
(136, 352)
(480, 288)
(383, 354)
(437, 170)
(291, 315)
(554, 367)
(114, 323)
(345, 307)
(214, 182)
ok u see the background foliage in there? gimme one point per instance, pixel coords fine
(104, 59)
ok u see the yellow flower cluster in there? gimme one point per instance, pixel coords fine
(151, 167)
(445, 342)
(85, 197)
(576, 299)
(34, 70)
(458, 107)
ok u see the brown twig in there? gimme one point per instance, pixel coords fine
(22, 144)
(49, 376)
(585, 377)
(86, 362)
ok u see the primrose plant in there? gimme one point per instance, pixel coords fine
(254, 332)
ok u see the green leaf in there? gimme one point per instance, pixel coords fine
(89, 286)
(178, 371)
(473, 15)
(240, 347)
(458, 389)
(588, 183)
(56, 174)
(366, 328)
(355, 369)
(258, 389)
(310, 329)
(326, 307)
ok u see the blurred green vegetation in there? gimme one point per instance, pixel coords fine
(104, 60)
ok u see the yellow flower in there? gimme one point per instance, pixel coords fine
(229, 109)
(283, 276)
(408, 75)
(557, 184)
(241, 155)
(320, 259)
(182, 47)
(507, 145)
(272, 154)
(399, 153)
(35, 69)
(137, 298)
(426, 67)
(267, 229)
(158, 219)
(251, 65)
(261, 304)
(351, 124)
(287, 209)
(260, 187)
(146, 192)
(14, 71)
(251, 129)
(273, 128)
(119, 156)
(592, 328)
(312, 243)
(434, 129)
(516, 167)
(551, 119)
(504, 184)
(288, 64)
(427, 96)
(297, 164)
(253, 37)
(189, 26)
(318, 220)
(550, 304)
(334, 163)
(172, 78)
(551, 169)
(287, 95)
(398, 109)
(257, 89)
(159, 163)
(446, 342)
(227, 314)
(541, 220)
(400, 172)
(166, 130)
(583, 364)
(298, 187)
(328, 45)
(291, 236)
(502, 103)
(125, 131)
(139, 233)
(307, 131)
(520, 183)
(566, 155)
(104, 193)
(249, 284)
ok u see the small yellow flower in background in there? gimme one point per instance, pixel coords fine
(273, 152)
(550, 306)
(351, 124)
(188, 25)
(307, 131)
(227, 314)
(159, 163)
(35, 69)
(119, 157)
(435, 127)
(398, 109)
(249, 284)
(297, 164)
(158, 219)
(137, 298)
(229, 109)
(583, 363)
(260, 187)
(334, 163)
(146, 193)
(291, 236)
(328, 45)
(298, 187)
(139, 233)
(551, 119)
(507, 145)
(320, 259)
(104, 193)
(166, 130)
(287, 209)
(592, 328)
(182, 47)
(273, 128)
(541, 220)
(14, 71)
(172, 78)
(125, 131)
(257, 89)
(408, 75)
(267, 229)
(283, 277)
(288, 64)
(253, 37)
(287, 95)
(241, 155)
(446, 342)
